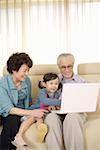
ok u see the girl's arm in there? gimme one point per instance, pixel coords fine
(48, 101)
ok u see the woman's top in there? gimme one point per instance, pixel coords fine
(21, 97)
(10, 96)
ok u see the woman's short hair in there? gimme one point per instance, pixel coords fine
(16, 60)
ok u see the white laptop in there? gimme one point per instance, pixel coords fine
(79, 97)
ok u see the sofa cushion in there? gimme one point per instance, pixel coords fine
(30, 138)
(92, 137)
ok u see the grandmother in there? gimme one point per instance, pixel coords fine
(15, 97)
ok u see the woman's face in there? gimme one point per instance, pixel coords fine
(21, 74)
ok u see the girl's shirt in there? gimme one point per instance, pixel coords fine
(48, 100)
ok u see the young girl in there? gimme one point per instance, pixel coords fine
(47, 99)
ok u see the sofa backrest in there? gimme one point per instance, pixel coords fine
(91, 73)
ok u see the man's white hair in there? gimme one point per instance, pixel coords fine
(63, 55)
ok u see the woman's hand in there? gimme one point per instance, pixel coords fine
(38, 113)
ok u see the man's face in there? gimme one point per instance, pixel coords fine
(66, 66)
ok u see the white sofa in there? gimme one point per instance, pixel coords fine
(89, 71)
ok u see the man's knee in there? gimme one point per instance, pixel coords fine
(71, 118)
(51, 118)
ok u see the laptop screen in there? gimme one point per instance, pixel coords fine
(79, 97)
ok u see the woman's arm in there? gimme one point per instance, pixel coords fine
(23, 112)
(7, 105)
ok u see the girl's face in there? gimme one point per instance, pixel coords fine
(52, 85)
(21, 74)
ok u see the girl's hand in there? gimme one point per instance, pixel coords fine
(51, 108)
(58, 107)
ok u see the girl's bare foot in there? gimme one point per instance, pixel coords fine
(19, 141)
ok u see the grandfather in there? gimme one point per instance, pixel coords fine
(67, 129)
